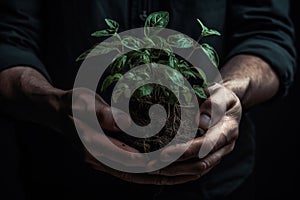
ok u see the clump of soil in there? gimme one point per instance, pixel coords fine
(139, 114)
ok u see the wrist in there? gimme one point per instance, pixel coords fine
(250, 78)
(238, 86)
(27, 95)
(34, 87)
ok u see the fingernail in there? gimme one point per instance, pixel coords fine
(205, 120)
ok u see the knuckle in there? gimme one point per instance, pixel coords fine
(205, 164)
(125, 176)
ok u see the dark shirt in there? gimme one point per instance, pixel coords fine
(50, 35)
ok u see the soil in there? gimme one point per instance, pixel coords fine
(146, 144)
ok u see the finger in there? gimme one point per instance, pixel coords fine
(86, 103)
(215, 158)
(213, 107)
(101, 146)
(195, 167)
(203, 120)
(148, 178)
(123, 146)
(217, 136)
(106, 118)
(192, 167)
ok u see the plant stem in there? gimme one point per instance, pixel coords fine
(198, 40)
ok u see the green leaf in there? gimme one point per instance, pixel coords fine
(157, 19)
(118, 64)
(83, 56)
(132, 42)
(109, 80)
(188, 74)
(159, 43)
(121, 88)
(144, 73)
(130, 76)
(113, 29)
(175, 77)
(212, 54)
(103, 33)
(173, 62)
(172, 99)
(113, 25)
(199, 91)
(180, 41)
(207, 32)
(165, 91)
(187, 95)
(200, 74)
(146, 90)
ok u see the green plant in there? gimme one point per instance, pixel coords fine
(142, 52)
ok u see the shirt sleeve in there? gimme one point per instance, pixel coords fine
(264, 28)
(21, 34)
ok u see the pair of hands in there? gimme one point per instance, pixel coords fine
(222, 131)
(27, 95)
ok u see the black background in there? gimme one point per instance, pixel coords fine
(277, 169)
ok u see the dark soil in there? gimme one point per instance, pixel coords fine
(139, 114)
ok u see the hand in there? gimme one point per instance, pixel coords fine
(82, 104)
(27, 95)
(218, 141)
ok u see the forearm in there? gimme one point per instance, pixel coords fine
(27, 95)
(251, 79)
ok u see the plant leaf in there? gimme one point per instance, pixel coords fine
(103, 33)
(146, 90)
(144, 73)
(132, 42)
(173, 62)
(207, 32)
(121, 88)
(160, 43)
(113, 25)
(188, 74)
(118, 64)
(199, 91)
(180, 41)
(109, 80)
(130, 76)
(172, 98)
(201, 75)
(187, 95)
(212, 54)
(175, 77)
(157, 19)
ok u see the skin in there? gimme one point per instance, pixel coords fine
(247, 81)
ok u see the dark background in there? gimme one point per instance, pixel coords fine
(277, 167)
(277, 170)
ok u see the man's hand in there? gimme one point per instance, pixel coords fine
(203, 153)
(27, 95)
(247, 80)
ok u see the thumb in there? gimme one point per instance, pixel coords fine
(203, 119)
